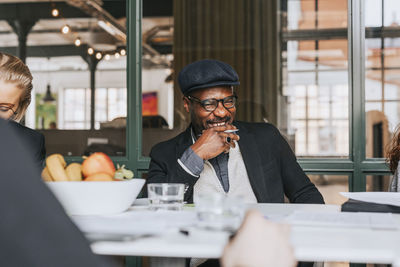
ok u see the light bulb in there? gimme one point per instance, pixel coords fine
(116, 55)
(55, 12)
(78, 41)
(90, 51)
(123, 52)
(107, 57)
(65, 29)
(98, 55)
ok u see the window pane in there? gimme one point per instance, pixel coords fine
(101, 106)
(373, 49)
(373, 13)
(75, 99)
(316, 14)
(318, 92)
(373, 86)
(391, 13)
(382, 99)
(315, 78)
(117, 104)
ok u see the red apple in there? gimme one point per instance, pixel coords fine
(96, 163)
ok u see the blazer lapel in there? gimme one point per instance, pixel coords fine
(250, 152)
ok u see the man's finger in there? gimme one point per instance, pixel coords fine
(226, 127)
(219, 128)
(232, 136)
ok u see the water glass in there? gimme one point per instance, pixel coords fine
(219, 212)
(166, 196)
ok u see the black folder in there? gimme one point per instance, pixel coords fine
(361, 206)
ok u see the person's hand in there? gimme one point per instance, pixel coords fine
(259, 243)
(214, 141)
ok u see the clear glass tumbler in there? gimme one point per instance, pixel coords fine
(218, 212)
(166, 196)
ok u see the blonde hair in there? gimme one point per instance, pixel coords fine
(12, 69)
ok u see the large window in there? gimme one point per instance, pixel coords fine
(382, 72)
(315, 82)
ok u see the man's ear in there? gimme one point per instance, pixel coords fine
(186, 104)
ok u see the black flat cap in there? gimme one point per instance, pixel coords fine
(206, 73)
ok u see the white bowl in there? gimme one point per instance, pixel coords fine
(96, 198)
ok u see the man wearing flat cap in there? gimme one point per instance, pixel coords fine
(219, 155)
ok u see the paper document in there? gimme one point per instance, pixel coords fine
(388, 198)
(343, 219)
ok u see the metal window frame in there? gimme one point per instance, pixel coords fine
(357, 166)
(133, 158)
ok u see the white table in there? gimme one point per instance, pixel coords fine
(363, 245)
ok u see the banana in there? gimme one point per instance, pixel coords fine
(46, 175)
(55, 164)
(74, 172)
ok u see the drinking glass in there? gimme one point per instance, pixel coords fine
(219, 212)
(166, 196)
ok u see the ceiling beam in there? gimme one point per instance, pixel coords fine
(117, 8)
(36, 11)
(50, 50)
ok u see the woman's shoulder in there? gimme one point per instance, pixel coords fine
(24, 132)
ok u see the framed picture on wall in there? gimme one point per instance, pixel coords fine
(149, 104)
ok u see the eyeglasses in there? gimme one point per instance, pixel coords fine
(211, 104)
(6, 108)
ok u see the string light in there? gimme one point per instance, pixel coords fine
(55, 12)
(65, 29)
(78, 41)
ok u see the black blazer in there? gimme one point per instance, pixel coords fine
(32, 141)
(270, 163)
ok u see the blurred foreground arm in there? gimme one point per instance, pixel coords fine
(34, 229)
(259, 243)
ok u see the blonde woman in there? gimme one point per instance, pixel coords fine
(15, 97)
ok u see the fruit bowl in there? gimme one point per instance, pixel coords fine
(96, 198)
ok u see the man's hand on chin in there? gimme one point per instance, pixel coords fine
(213, 141)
